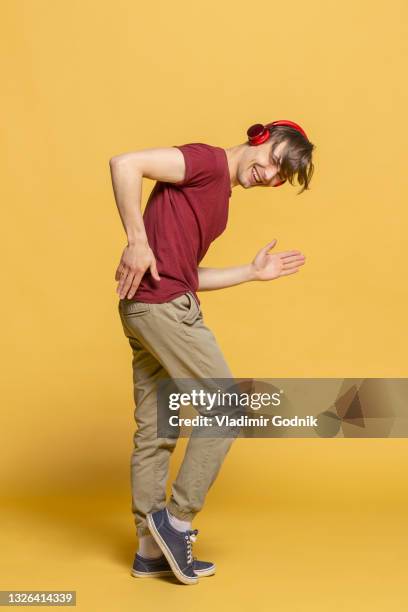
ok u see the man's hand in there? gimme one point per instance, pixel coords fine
(136, 259)
(267, 266)
(264, 267)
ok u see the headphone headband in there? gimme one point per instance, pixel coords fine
(259, 133)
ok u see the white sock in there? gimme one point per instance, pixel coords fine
(148, 547)
(178, 523)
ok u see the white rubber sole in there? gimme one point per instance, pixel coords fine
(209, 572)
(167, 553)
(151, 574)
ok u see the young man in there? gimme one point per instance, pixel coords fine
(159, 276)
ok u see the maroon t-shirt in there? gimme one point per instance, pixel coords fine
(181, 221)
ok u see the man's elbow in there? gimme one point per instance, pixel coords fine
(128, 159)
(115, 159)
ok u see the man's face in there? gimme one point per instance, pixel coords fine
(258, 167)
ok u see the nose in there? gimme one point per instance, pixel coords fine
(269, 174)
(272, 176)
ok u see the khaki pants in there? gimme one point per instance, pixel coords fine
(170, 340)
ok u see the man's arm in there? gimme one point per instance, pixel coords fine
(127, 172)
(264, 266)
(219, 278)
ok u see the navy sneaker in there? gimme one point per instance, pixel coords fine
(174, 544)
(149, 568)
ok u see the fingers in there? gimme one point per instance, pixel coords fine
(289, 253)
(292, 265)
(133, 287)
(273, 242)
(122, 280)
(119, 271)
(293, 259)
(132, 279)
(262, 252)
(269, 245)
(286, 272)
(153, 270)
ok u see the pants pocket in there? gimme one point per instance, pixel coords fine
(131, 315)
(185, 309)
(130, 308)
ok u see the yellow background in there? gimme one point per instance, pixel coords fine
(291, 524)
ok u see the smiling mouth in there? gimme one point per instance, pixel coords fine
(255, 175)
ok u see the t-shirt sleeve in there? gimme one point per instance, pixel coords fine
(202, 167)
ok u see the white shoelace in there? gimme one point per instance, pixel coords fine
(191, 535)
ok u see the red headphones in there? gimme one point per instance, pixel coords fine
(258, 133)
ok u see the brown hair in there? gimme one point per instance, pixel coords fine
(296, 157)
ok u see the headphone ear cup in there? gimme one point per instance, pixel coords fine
(257, 134)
